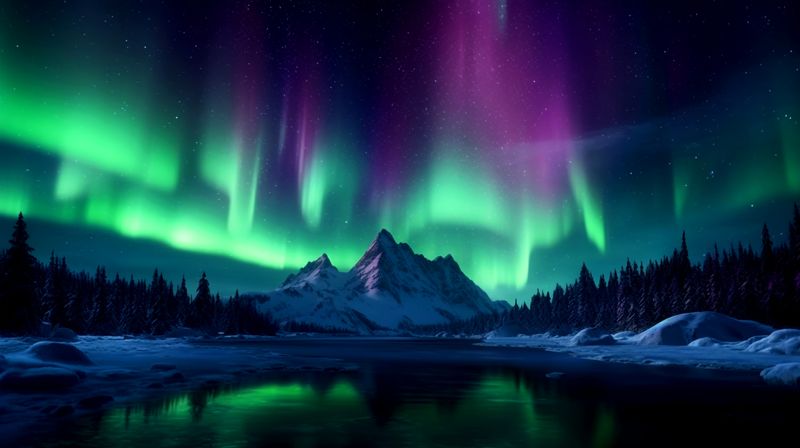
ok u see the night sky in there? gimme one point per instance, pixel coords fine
(522, 137)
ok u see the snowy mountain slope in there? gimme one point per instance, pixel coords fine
(389, 287)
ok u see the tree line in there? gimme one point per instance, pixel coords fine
(761, 285)
(32, 292)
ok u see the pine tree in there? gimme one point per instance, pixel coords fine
(610, 313)
(217, 315)
(573, 316)
(560, 310)
(624, 296)
(136, 309)
(602, 302)
(19, 311)
(78, 305)
(56, 291)
(684, 265)
(766, 250)
(794, 237)
(102, 320)
(117, 298)
(645, 314)
(202, 306)
(234, 315)
(586, 292)
(159, 316)
(183, 302)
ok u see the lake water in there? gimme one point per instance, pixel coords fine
(420, 394)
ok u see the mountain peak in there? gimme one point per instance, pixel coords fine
(446, 260)
(311, 271)
(389, 287)
(323, 261)
(385, 238)
(383, 242)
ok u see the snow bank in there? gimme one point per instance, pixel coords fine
(705, 342)
(39, 378)
(624, 335)
(592, 336)
(684, 328)
(507, 330)
(781, 342)
(787, 374)
(58, 352)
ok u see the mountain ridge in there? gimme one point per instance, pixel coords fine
(390, 287)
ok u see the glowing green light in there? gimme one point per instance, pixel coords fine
(330, 183)
(109, 132)
(590, 206)
(458, 192)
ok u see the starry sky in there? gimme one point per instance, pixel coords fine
(522, 137)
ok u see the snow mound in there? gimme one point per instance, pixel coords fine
(781, 342)
(705, 342)
(40, 378)
(58, 352)
(624, 335)
(787, 374)
(592, 336)
(684, 328)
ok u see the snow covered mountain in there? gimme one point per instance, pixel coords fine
(390, 287)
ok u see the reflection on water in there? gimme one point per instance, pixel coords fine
(446, 408)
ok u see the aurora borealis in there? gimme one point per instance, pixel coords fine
(522, 137)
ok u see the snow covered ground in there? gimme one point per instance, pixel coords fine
(703, 340)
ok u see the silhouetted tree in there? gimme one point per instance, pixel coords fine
(586, 294)
(19, 309)
(202, 306)
(102, 316)
(55, 296)
(740, 282)
(182, 302)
